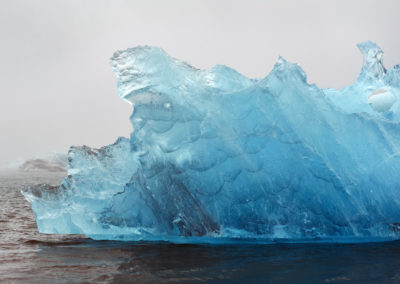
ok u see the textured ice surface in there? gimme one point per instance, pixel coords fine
(216, 156)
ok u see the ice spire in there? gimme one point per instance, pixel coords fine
(373, 66)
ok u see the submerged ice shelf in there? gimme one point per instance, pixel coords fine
(216, 156)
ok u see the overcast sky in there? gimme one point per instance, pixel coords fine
(57, 88)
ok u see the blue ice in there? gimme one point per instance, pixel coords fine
(217, 157)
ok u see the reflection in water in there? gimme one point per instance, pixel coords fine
(29, 257)
(286, 263)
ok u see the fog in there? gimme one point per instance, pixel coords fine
(57, 88)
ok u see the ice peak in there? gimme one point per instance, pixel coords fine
(373, 66)
(286, 71)
(148, 69)
(281, 60)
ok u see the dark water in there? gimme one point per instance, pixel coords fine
(29, 257)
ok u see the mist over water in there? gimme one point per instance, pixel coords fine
(29, 257)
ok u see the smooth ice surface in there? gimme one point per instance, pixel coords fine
(215, 156)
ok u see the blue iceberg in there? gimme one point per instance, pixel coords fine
(217, 157)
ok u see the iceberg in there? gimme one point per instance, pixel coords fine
(217, 157)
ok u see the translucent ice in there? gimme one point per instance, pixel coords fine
(216, 156)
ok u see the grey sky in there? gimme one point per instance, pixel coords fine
(57, 88)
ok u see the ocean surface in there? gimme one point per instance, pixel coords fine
(29, 257)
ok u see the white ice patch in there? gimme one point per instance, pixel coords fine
(381, 100)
